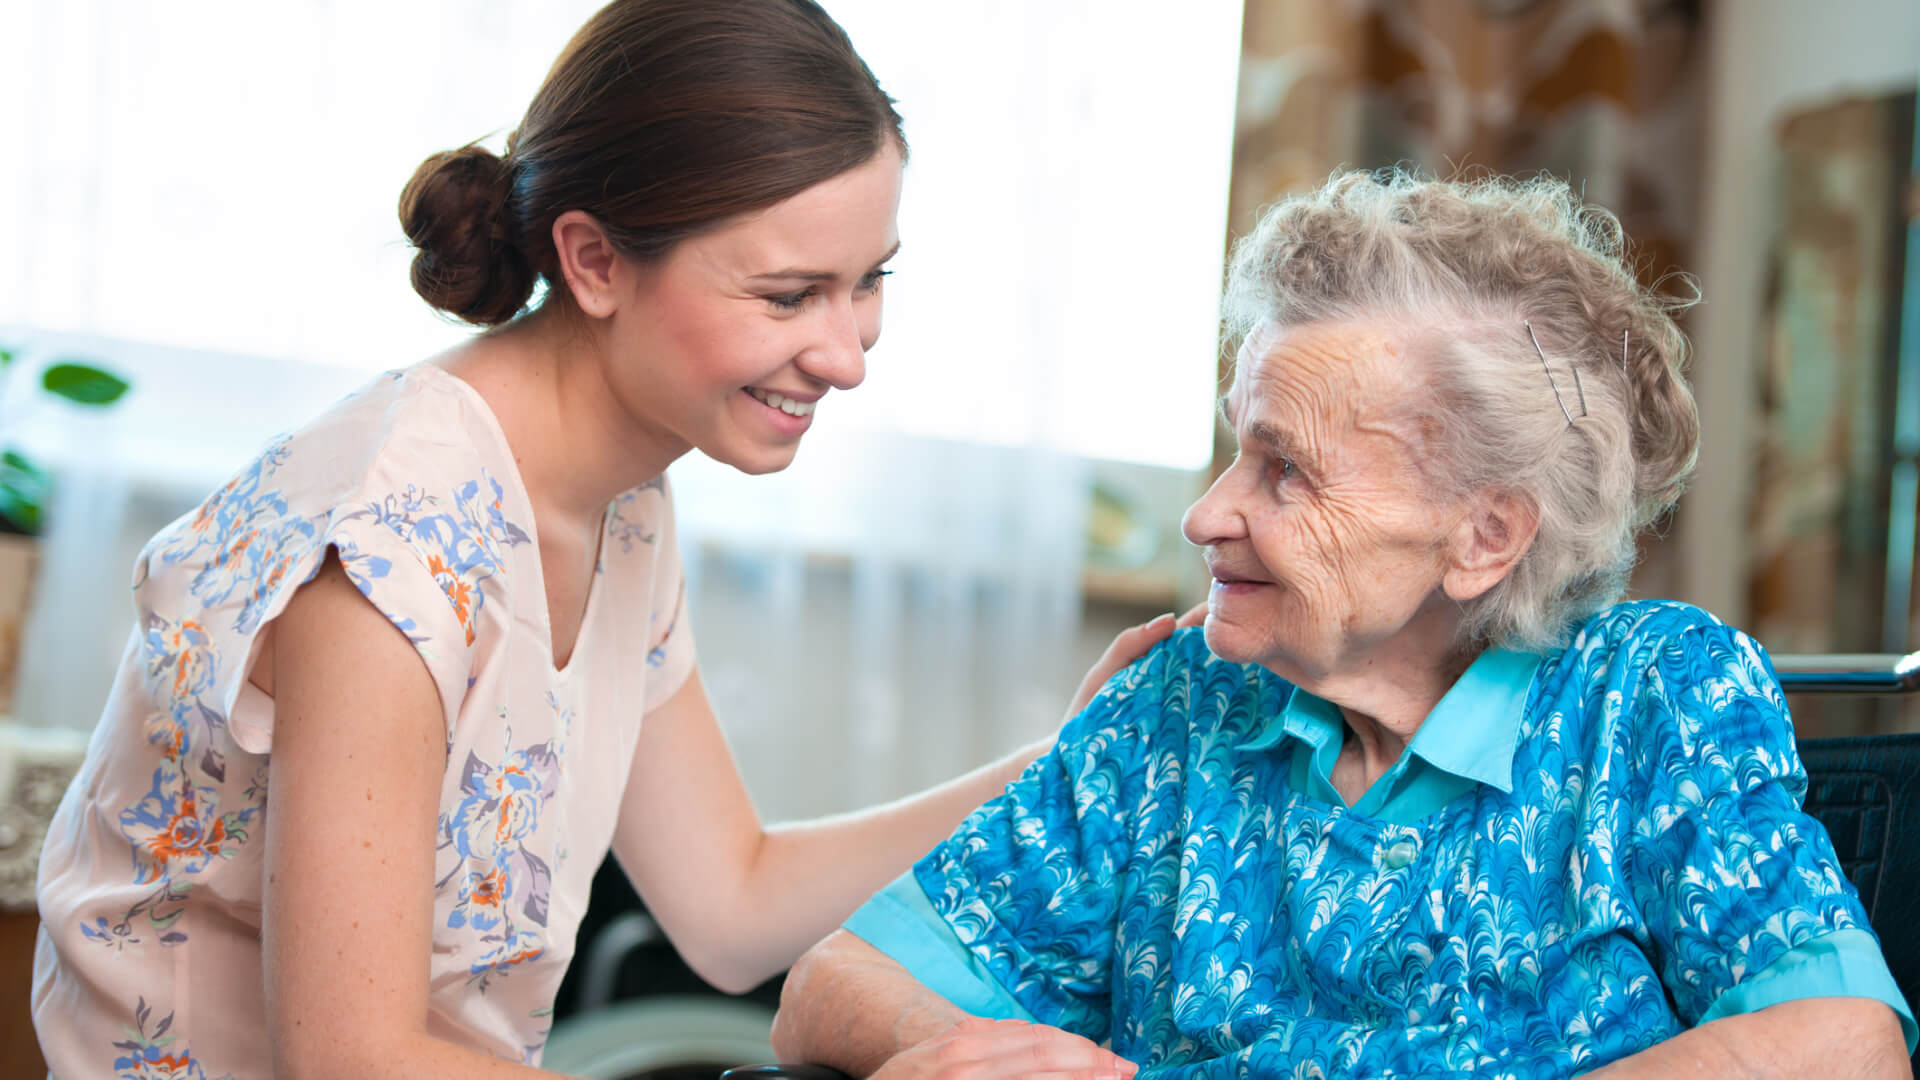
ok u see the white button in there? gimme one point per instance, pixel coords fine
(1399, 855)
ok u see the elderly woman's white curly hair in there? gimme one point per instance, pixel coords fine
(1461, 269)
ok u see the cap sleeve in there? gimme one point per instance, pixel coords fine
(428, 561)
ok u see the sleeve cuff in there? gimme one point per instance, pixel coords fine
(900, 922)
(1844, 963)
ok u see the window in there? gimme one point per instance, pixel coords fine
(222, 175)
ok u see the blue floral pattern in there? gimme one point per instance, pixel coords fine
(621, 524)
(498, 869)
(460, 547)
(1154, 884)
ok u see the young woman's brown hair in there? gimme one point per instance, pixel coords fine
(661, 118)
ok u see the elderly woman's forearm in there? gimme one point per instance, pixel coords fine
(849, 1006)
(1829, 1037)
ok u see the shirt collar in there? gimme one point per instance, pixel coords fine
(1472, 732)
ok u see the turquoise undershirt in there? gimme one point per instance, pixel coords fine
(1468, 740)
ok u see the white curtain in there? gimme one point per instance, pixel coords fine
(938, 631)
(201, 195)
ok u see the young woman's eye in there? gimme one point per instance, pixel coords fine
(791, 301)
(871, 282)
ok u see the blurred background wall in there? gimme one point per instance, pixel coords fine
(1766, 150)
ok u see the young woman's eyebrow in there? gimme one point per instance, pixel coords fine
(796, 274)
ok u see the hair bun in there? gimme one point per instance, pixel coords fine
(464, 263)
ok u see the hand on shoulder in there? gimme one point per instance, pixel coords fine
(1129, 645)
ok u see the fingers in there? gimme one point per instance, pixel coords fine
(1130, 645)
(1133, 642)
(1058, 1054)
(989, 1049)
(1194, 616)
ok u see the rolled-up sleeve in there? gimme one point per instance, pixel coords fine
(900, 922)
(1845, 963)
(1742, 893)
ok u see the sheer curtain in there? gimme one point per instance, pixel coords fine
(202, 196)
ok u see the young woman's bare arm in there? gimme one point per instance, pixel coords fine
(358, 754)
(742, 901)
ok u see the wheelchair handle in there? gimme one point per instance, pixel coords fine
(1858, 673)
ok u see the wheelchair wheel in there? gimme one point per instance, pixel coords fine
(668, 1037)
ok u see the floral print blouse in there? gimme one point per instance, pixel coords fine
(1580, 855)
(149, 960)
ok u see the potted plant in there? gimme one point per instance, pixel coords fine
(23, 496)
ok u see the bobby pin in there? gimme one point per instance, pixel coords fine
(1544, 366)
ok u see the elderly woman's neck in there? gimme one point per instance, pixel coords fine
(1384, 703)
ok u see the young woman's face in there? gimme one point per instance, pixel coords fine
(729, 344)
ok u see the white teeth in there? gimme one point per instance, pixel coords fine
(782, 402)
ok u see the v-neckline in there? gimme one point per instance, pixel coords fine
(556, 670)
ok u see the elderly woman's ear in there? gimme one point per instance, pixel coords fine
(1496, 530)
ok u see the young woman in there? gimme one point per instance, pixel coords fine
(398, 687)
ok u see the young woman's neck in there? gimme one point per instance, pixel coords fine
(576, 446)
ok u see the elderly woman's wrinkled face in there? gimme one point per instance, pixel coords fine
(1326, 547)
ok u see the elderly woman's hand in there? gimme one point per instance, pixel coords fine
(1130, 645)
(978, 1049)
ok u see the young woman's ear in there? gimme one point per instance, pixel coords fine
(588, 262)
(1493, 536)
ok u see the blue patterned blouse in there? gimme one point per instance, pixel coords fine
(1578, 856)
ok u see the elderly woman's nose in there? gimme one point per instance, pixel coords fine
(1214, 517)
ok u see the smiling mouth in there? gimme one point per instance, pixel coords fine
(782, 402)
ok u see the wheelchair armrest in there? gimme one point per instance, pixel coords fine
(784, 1072)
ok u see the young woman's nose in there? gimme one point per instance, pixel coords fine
(839, 356)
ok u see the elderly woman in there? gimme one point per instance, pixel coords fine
(1427, 799)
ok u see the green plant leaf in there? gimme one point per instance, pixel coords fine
(14, 459)
(23, 491)
(6, 358)
(18, 510)
(83, 383)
